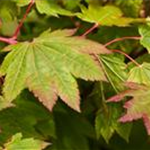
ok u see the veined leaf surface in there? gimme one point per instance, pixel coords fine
(138, 107)
(106, 15)
(48, 66)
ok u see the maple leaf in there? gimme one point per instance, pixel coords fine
(140, 74)
(48, 7)
(27, 116)
(25, 144)
(107, 124)
(48, 65)
(7, 12)
(138, 106)
(145, 36)
(106, 121)
(51, 8)
(115, 71)
(4, 104)
(106, 15)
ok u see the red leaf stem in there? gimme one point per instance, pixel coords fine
(90, 30)
(8, 40)
(23, 19)
(127, 56)
(13, 40)
(122, 38)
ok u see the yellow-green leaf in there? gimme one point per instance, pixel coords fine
(106, 15)
(17, 143)
(50, 7)
(145, 36)
(140, 74)
(138, 107)
(48, 66)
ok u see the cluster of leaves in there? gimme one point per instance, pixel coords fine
(63, 64)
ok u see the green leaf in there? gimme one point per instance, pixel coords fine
(8, 10)
(8, 13)
(145, 36)
(48, 65)
(50, 7)
(71, 4)
(95, 2)
(25, 118)
(22, 3)
(140, 74)
(6, 30)
(25, 144)
(107, 123)
(106, 15)
(115, 71)
(130, 7)
(73, 130)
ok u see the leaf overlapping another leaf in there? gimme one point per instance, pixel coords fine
(107, 124)
(48, 7)
(138, 107)
(145, 36)
(22, 2)
(24, 118)
(115, 70)
(51, 8)
(130, 7)
(107, 15)
(106, 121)
(140, 74)
(25, 144)
(48, 65)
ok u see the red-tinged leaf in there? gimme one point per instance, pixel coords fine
(138, 107)
(116, 98)
(48, 67)
(4, 104)
(107, 123)
(146, 120)
(45, 92)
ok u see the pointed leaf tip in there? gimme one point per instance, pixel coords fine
(138, 107)
(48, 67)
(108, 15)
(146, 120)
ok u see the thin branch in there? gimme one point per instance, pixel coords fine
(8, 40)
(127, 56)
(23, 19)
(122, 38)
(90, 30)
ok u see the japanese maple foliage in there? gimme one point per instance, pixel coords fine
(64, 64)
